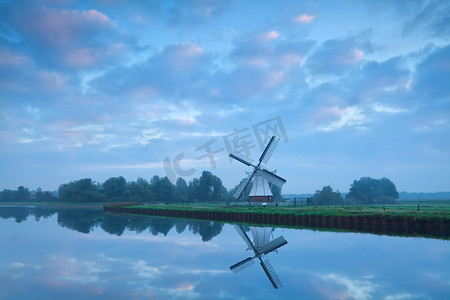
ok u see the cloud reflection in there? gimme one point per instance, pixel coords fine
(45, 261)
(355, 288)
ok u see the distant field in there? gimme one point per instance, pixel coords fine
(404, 205)
(414, 205)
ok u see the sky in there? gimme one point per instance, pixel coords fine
(99, 89)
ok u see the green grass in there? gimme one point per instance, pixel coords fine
(430, 211)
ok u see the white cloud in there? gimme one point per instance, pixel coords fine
(145, 271)
(75, 270)
(28, 140)
(401, 297)
(148, 134)
(305, 18)
(389, 109)
(21, 265)
(270, 35)
(357, 289)
(203, 271)
(349, 116)
(151, 165)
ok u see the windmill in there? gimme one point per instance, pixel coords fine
(261, 246)
(260, 190)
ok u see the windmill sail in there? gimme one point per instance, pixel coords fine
(270, 148)
(274, 179)
(273, 245)
(245, 237)
(241, 189)
(242, 265)
(242, 158)
(270, 272)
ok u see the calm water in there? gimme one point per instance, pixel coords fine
(84, 254)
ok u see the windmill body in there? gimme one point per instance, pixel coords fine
(261, 236)
(260, 191)
(261, 177)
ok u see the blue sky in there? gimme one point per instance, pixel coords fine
(108, 88)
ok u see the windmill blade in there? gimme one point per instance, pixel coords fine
(270, 148)
(242, 265)
(272, 245)
(274, 179)
(245, 237)
(241, 189)
(242, 158)
(270, 272)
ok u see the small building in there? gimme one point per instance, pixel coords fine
(260, 192)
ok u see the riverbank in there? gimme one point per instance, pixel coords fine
(434, 224)
(58, 205)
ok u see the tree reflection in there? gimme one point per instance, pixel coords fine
(207, 230)
(85, 220)
(80, 220)
(114, 225)
(21, 213)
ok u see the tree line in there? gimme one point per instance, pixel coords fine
(365, 191)
(207, 188)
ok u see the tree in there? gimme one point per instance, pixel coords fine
(193, 190)
(372, 191)
(8, 196)
(115, 188)
(83, 190)
(22, 194)
(210, 188)
(41, 196)
(326, 197)
(140, 190)
(276, 192)
(162, 189)
(181, 190)
(168, 190)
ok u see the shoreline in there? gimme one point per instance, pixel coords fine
(387, 224)
(52, 205)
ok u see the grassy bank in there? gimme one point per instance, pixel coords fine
(430, 211)
(433, 222)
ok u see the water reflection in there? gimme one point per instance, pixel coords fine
(161, 258)
(84, 220)
(263, 243)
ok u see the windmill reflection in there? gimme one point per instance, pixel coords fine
(263, 243)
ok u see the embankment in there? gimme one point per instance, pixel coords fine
(371, 223)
